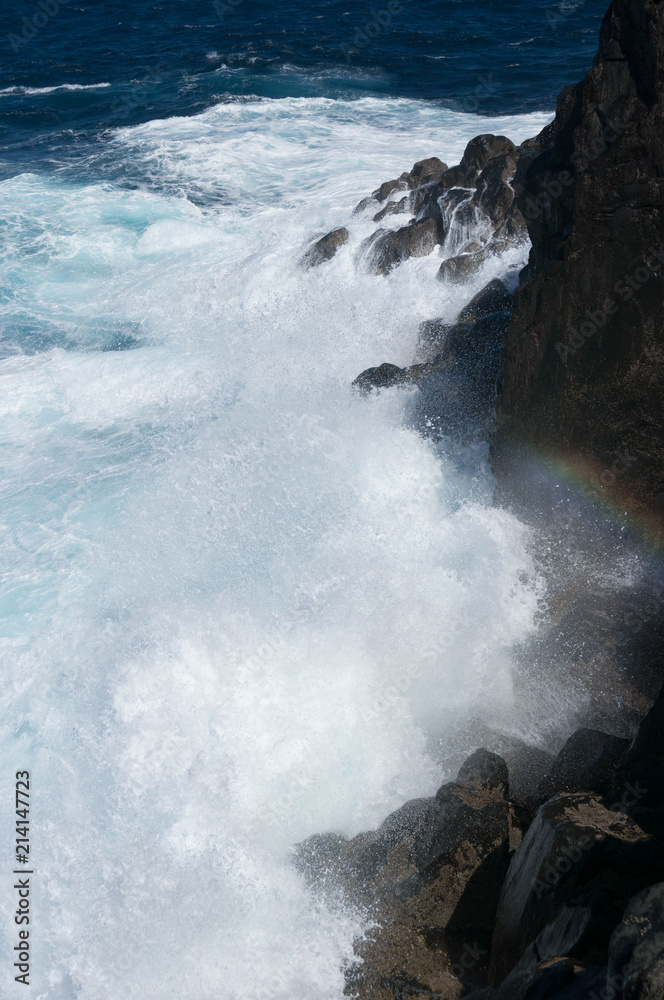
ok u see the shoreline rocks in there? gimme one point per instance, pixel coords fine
(540, 878)
(471, 895)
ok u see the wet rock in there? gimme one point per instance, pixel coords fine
(479, 153)
(527, 766)
(484, 769)
(365, 204)
(423, 173)
(588, 762)
(463, 267)
(495, 196)
(430, 877)
(325, 248)
(577, 854)
(435, 919)
(460, 269)
(493, 298)
(636, 951)
(382, 377)
(388, 249)
(393, 208)
(427, 171)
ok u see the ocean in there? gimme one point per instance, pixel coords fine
(240, 603)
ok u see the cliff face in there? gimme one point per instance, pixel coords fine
(583, 359)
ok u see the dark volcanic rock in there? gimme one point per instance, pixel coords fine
(460, 269)
(477, 195)
(588, 762)
(458, 385)
(640, 780)
(553, 979)
(434, 923)
(480, 152)
(393, 208)
(583, 364)
(636, 951)
(484, 769)
(325, 248)
(431, 877)
(577, 855)
(493, 298)
(423, 174)
(381, 377)
(387, 249)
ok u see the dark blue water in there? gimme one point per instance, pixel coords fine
(180, 56)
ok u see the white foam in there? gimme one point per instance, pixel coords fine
(241, 600)
(32, 91)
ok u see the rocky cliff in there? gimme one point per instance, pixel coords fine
(519, 881)
(583, 358)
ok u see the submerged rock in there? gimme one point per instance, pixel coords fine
(325, 248)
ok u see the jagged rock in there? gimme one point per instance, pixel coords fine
(577, 854)
(427, 171)
(325, 248)
(527, 766)
(636, 951)
(588, 762)
(484, 769)
(366, 203)
(435, 924)
(431, 878)
(393, 208)
(423, 173)
(387, 248)
(458, 385)
(387, 188)
(478, 194)
(479, 153)
(495, 196)
(583, 371)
